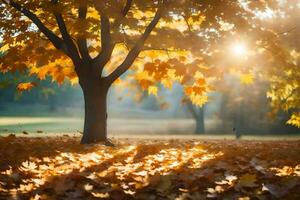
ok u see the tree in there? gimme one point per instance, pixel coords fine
(197, 113)
(61, 39)
(284, 92)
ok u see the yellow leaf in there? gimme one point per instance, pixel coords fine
(28, 166)
(88, 187)
(74, 81)
(36, 197)
(142, 75)
(4, 48)
(101, 195)
(198, 100)
(93, 13)
(247, 79)
(294, 120)
(152, 90)
(167, 83)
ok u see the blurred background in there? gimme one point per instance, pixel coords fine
(52, 108)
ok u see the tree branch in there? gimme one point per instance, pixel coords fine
(123, 13)
(106, 44)
(82, 42)
(126, 8)
(187, 23)
(134, 52)
(72, 48)
(159, 49)
(54, 39)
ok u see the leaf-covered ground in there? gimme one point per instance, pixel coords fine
(61, 168)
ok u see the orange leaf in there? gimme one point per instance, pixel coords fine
(25, 86)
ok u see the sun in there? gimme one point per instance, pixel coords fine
(239, 49)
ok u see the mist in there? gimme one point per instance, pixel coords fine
(53, 108)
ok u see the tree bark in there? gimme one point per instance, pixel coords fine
(198, 115)
(238, 121)
(95, 119)
(200, 128)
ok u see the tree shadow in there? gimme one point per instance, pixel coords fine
(15, 150)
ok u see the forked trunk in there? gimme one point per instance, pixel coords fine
(95, 126)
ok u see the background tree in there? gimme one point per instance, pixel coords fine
(197, 113)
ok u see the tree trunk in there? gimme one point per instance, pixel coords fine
(238, 122)
(200, 128)
(198, 115)
(95, 127)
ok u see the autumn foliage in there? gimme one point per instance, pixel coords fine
(151, 44)
(95, 43)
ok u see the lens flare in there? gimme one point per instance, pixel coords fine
(239, 49)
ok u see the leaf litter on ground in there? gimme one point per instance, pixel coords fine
(60, 168)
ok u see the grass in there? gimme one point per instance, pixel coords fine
(38, 110)
(120, 128)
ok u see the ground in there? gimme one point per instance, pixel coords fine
(60, 168)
